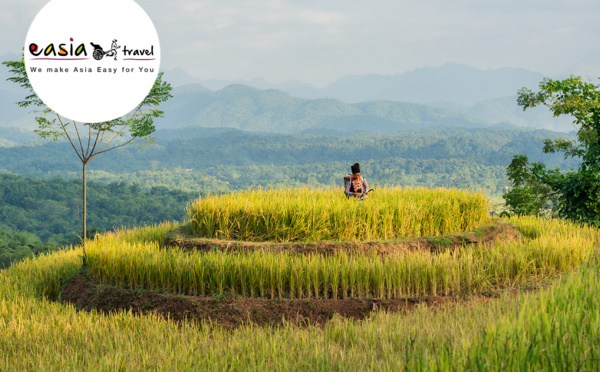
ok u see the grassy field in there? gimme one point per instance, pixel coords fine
(556, 328)
(315, 215)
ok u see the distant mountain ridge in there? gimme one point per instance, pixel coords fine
(243, 107)
(451, 82)
(487, 96)
(505, 109)
(11, 115)
(456, 95)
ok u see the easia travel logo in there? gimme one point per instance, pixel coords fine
(51, 50)
(68, 52)
(86, 71)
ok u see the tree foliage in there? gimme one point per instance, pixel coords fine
(94, 138)
(97, 138)
(15, 246)
(577, 191)
(532, 193)
(41, 215)
(216, 160)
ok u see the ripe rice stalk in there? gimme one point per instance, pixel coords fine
(315, 215)
(553, 329)
(559, 246)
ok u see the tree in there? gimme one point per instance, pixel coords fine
(97, 138)
(531, 193)
(577, 192)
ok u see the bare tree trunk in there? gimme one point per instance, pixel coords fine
(84, 215)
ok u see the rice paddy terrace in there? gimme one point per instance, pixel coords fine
(307, 279)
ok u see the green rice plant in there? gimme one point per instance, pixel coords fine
(334, 279)
(352, 273)
(314, 269)
(316, 215)
(152, 233)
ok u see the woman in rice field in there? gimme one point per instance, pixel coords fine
(356, 185)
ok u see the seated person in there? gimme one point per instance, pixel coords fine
(356, 185)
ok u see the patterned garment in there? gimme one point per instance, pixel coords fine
(359, 186)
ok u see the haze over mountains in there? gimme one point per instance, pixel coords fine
(451, 83)
(450, 95)
(243, 107)
(488, 97)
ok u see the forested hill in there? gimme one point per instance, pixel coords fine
(203, 159)
(244, 107)
(51, 209)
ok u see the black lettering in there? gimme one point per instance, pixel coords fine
(33, 49)
(80, 49)
(138, 52)
(50, 50)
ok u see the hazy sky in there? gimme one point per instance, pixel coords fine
(319, 41)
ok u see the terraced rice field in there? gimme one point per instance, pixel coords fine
(420, 290)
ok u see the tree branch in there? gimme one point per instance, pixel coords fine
(121, 131)
(69, 137)
(91, 154)
(87, 151)
(112, 148)
(79, 138)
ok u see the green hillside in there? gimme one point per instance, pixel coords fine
(223, 159)
(42, 215)
(247, 108)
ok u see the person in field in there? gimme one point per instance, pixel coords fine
(356, 185)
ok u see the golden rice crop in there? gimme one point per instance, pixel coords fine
(316, 215)
(558, 247)
(555, 329)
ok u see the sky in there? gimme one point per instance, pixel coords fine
(319, 41)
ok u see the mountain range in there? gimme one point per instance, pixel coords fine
(488, 96)
(243, 107)
(452, 83)
(449, 95)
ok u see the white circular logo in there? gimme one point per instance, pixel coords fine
(92, 61)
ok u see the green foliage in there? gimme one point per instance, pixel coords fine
(16, 246)
(50, 209)
(580, 196)
(217, 160)
(578, 192)
(532, 193)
